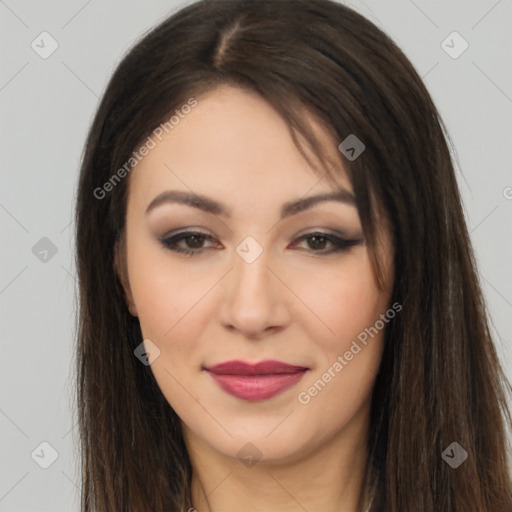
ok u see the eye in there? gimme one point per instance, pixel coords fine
(190, 243)
(318, 240)
(193, 242)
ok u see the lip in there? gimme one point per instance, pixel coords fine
(256, 382)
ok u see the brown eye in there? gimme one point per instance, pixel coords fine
(193, 242)
(317, 242)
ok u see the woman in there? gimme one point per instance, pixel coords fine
(279, 304)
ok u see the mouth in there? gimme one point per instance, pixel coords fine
(256, 382)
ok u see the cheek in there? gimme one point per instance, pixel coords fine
(165, 306)
(348, 334)
(169, 299)
(342, 300)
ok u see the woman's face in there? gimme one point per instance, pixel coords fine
(257, 286)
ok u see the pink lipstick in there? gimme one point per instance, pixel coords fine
(254, 382)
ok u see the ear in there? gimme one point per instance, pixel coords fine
(122, 272)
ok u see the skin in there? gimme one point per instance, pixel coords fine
(294, 303)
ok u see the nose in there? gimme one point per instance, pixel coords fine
(253, 298)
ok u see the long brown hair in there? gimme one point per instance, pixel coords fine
(440, 380)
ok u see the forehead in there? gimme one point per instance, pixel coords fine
(233, 135)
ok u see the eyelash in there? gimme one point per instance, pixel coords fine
(339, 244)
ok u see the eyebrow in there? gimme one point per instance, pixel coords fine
(210, 205)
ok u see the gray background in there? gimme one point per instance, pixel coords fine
(46, 108)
